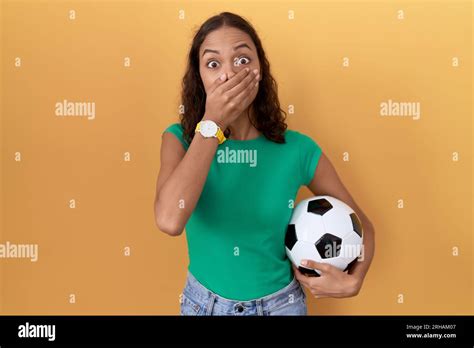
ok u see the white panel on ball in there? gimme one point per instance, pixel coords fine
(304, 250)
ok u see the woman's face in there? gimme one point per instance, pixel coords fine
(226, 50)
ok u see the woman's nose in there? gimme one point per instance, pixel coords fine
(230, 73)
(233, 69)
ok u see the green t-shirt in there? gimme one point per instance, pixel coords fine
(236, 233)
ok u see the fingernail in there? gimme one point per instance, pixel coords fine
(257, 77)
(223, 77)
(304, 263)
(255, 71)
(247, 69)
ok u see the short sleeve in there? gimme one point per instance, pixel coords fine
(310, 152)
(177, 130)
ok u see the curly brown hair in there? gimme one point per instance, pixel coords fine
(269, 117)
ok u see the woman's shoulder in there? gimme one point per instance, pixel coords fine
(295, 136)
(177, 130)
(304, 142)
(174, 128)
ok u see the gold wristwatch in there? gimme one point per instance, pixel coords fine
(209, 129)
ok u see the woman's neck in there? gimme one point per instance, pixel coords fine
(242, 129)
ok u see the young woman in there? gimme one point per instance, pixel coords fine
(229, 172)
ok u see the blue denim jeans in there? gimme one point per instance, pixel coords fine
(198, 300)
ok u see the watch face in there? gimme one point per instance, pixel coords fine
(208, 128)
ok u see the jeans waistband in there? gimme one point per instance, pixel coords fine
(197, 289)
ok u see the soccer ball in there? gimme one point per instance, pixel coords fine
(326, 230)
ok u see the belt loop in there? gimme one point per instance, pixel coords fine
(259, 307)
(210, 304)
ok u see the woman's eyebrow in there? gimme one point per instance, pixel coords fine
(208, 50)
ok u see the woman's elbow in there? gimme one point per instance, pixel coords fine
(168, 227)
(166, 224)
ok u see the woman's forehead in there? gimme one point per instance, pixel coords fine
(226, 38)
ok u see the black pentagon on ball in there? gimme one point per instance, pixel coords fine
(290, 237)
(356, 225)
(308, 272)
(319, 206)
(326, 245)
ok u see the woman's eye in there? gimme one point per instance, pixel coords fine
(212, 64)
(241, 60)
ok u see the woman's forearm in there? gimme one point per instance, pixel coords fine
(181, 191)
(361, 267)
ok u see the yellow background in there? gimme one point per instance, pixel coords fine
(81, 250)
